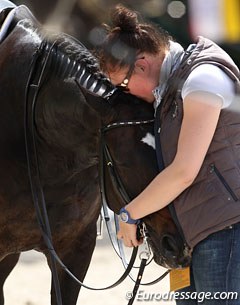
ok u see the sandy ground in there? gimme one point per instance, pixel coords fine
(29, 283)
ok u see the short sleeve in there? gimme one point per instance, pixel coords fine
(210, 78)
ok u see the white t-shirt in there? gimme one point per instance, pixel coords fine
(210, 78)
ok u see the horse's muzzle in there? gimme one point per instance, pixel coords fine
(170, 253)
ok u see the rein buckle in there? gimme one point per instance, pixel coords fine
(145, 252)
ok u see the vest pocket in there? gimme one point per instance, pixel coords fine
(223, 181)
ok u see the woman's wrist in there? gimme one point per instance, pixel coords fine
(126, 217)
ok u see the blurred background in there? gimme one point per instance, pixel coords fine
(218, 20)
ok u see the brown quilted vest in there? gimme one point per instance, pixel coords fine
(212, 202)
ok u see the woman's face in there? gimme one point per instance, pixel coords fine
(137, 85)
(139, 80)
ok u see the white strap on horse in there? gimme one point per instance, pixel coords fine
(4, 4)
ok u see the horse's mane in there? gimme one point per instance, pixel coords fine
(76, 51)
(71, 59)
(76, 61)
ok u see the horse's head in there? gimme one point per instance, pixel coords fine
(132, 149)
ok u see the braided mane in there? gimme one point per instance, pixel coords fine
(69, 58)
(75, 50)
(75, 60)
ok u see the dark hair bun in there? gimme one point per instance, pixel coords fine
(124, 19)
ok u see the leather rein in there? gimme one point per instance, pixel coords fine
(35, 81)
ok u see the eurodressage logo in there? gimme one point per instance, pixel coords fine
(143, 296)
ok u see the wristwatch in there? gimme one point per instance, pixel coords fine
(125, 217)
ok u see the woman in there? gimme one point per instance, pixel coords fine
(197, 139)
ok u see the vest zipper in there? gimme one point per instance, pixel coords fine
(175, 111)
(223, 181)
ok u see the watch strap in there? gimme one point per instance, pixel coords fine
(129, 219)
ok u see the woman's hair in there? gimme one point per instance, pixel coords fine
(127, 37)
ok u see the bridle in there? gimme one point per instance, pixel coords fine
(105, 157)
(107, 160)
(35, 80)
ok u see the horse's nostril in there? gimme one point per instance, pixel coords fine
(169, 244)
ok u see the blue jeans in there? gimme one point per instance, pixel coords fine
(215, 270)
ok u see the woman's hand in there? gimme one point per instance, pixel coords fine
(128, 233)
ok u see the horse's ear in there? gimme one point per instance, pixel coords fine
(116, 96)
(104, 104)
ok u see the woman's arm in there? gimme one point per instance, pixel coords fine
(201, 113)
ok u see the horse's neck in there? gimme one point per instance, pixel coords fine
(67, 124)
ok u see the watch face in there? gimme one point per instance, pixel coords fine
(124, 217)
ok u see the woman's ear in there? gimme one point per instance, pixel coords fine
(141, 65)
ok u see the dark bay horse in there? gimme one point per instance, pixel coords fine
(51, 84)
